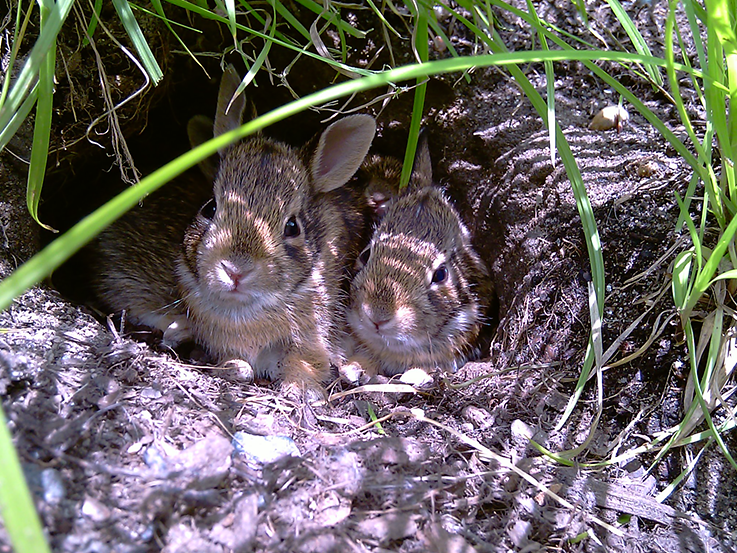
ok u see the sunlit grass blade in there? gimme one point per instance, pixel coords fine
(16, 504)
(18, 117)
(139, 41)
(721, 63)
(333, 18)
(28, 74)
(230, 13)
(42, 124)
(95, 20)
(19, 32)
(637, 41)
(194, 8)
(419, 41)
(260, 59)
(550, 85)
(161, 15)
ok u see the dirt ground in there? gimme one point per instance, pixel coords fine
(129, 449)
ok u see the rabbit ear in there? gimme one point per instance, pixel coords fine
(199, 131)
(230, 107)
(341, 150)
(422, 168)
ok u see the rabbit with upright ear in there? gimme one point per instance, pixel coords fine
(261, 267)
(264, 260)
(419, 298)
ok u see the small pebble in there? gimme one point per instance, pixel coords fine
(262, 450)
(417, 378)
(53, 486)
(521, 431)
(609, 118)
(95, 510)
(389, 528)
(150, 393)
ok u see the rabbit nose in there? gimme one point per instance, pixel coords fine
(377, 318)
(233, 272)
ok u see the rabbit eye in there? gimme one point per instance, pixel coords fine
(291, 229)
(364, 257)
(440, 274)
(208, 210)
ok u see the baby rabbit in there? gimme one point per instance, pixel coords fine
(379, 177)
(420, 295)
(260, 268)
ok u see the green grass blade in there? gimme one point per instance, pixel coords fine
(639, 43)
(28, 74)
(290, 19)
(230, 12)
(319, 9)
(16, 504)
(710, 267)
(259, 62)
(420, 38)
(42, 124)
(380, 14)
(19, 32)
(681, 281)
(139, 41)
(97, 9)
(550, 84)
(161, 15)
(19, 116)
(723, 43)
(194, 8)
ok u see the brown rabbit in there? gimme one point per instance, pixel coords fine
(260, 268)
(419, 298)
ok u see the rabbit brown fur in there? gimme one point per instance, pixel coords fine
(419, 299)
(134, 259)
(379, 177)
(260, 269)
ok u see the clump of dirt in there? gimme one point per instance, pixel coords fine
(127, 448)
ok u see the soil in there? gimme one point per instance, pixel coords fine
(129, 448)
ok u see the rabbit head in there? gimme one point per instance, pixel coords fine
(380, 177)
(421, 291)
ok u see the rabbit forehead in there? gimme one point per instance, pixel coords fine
(425, 220)
(393, 247)
(261, 176)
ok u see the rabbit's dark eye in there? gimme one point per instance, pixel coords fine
(364, 257)
(208, 210)
(440, 274)
(291, 229)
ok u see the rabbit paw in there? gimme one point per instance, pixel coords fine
(303, 392)
(353, 373)
(240, 370)
(177, 332)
